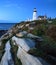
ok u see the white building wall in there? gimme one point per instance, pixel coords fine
(34, 15)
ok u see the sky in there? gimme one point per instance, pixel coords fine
(20, 10)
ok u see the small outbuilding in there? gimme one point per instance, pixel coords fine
(42, 17)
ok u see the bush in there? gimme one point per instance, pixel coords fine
(51, 32)
(48, 46)
(36, 52)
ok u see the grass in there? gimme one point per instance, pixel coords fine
(36, 52)
(14, 49)
(47, 46)
(48, 41)
(2, 48)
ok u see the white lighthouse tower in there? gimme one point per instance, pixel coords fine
(35, 14)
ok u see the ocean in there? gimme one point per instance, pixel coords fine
(6, 26)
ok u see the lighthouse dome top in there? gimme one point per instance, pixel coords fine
(35, 10)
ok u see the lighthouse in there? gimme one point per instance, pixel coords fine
(35, 14)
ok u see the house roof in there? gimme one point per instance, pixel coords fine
(41, 16)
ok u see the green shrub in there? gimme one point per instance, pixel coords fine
(36, 52)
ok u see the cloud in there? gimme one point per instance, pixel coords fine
(11, 5)
(15, 5)
(7, 1)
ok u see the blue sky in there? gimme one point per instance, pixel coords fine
(19, 10)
